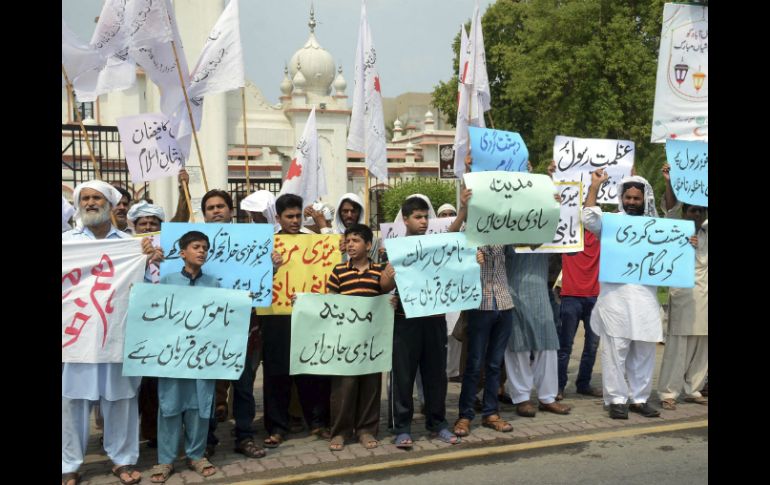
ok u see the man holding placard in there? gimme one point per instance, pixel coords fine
(685, 360)
(95, 379)
(313, 390)
(626, 316)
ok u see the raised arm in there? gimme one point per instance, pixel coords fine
(462, 214)
(669, 199)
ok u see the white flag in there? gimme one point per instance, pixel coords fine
(156, 56)
(128, 33)
(367, 124)
(117, 74)
(111, 33)
(476, 74)
(77, 57)
(219, 69)
(306, 176)
(463, 91)
(96, 278)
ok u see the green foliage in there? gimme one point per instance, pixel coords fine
(581, 68)
(438, 192)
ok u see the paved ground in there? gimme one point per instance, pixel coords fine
(301, 453)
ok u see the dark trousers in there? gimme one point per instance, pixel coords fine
(355, 405)
(573, 310)
(419, 342)
(313, 397)
(488, 333)
(244, 407)
(148, 407)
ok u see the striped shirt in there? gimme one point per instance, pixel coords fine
(495, 294)
(347, 280)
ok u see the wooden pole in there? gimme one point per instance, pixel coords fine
(80, 122)
(245, 141)
(189, 112)
(189, 201)
(366, 200)
(491, 121)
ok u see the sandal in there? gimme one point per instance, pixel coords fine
(274, 440)
(368, 441)
(462, 427)
(249, 448)
(164, 470)
(404, 441)
(497, 423)
(66, 477)
(668, 404)
(128, 470)
(697, 400)
(337, 443)
(447, 436)
(201, 466)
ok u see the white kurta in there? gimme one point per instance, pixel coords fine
(627, 311)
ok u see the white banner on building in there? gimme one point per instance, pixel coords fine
(682, 84)
(95, 282)
(151, 151)
(569, 231)
(576, 158)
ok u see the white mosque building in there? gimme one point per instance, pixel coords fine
(311, 79)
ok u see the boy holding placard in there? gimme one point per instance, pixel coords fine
(185, 402)
(355, 400)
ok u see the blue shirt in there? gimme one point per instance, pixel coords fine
(177, 395)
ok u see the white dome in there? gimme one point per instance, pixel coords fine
(339, 82)
(299, 81)
(286, 83)
(397, 124)
(317, 66)
(428, 116)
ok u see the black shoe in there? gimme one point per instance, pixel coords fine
(618, 411)
(645, 410)
(505, 399)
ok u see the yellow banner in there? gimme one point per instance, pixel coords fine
(308, 260)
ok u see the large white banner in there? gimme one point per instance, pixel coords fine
(576, 158)
(682, 85)
(95, 282)
(151, 151)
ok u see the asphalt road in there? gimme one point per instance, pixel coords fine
(678, 457)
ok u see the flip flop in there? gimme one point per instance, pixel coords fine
(400, 441)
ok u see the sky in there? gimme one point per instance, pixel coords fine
(413, 38)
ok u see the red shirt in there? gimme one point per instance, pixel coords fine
(580, 271)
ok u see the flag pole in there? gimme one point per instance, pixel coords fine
(367, 201)
(245, 141)
(80, 122)
(490, 119)
(189, 112)
(186, 189)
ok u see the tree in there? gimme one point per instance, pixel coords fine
(578, 68)
(439, 193)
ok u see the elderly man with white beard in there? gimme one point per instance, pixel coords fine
(83, 384)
